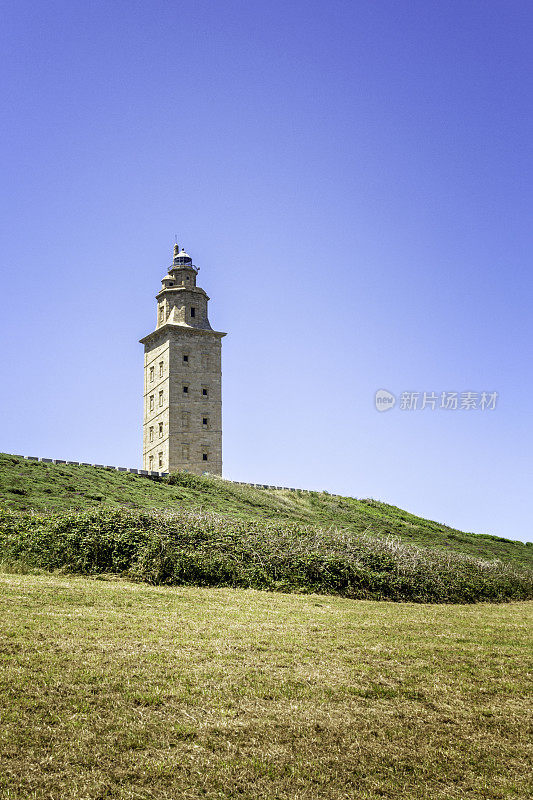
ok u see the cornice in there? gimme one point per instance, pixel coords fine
(193, 289)
(168, 328)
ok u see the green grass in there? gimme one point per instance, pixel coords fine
(110, 689)
(28, 485)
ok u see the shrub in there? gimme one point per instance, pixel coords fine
(211, 550)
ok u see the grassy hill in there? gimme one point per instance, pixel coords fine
(113, 688)
(110, 689)
(28, 485)
(207, 531)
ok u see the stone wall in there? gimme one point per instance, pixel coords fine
(190, 409)
(175, 305)
(156, 475)
(156, 381)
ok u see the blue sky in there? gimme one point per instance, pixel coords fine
(354, 180)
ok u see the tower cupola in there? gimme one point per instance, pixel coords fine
(180, 300)
(181, 258)
(182, 270)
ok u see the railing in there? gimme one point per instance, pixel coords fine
(154, 475)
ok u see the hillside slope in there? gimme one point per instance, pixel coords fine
(26, 485)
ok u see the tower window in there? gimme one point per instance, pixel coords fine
(160, 430)
(151, 373)
(186, 358)
(185, 419)
(185, 451)
(161, 313)
(160, 398)
(205, 421)
(193, 311)
(205, 360)
(151, 432)
(204, 392)
(185, 390)
(204, 456)
(160, 369)
(160, 459)
(151, 402)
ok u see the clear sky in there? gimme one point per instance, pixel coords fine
(354, 180)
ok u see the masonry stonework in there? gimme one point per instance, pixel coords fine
(182, 426)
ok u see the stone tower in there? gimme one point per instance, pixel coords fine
(182, 426)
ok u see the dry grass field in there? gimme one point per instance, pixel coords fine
(111, 689)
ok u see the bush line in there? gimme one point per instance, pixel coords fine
(206, 549)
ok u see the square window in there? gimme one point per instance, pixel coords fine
(185, 390)
(204, 456)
